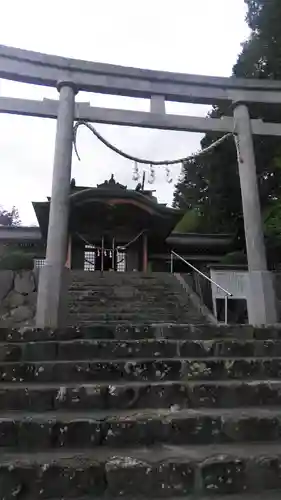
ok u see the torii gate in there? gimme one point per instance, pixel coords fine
(70, 76)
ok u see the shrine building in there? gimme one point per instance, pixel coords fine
(112, 228)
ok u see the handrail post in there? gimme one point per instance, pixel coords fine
(226, 309)
(102, 254)
(113, 254)
(172, 264)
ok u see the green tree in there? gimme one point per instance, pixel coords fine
(9, 217)
(211, 183)
(190, 222)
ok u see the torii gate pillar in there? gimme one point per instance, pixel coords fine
(262, 300)
(53, 279)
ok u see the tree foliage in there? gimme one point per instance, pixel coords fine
(16, 260)
(210, 183)
(9, 217)
(190, 222)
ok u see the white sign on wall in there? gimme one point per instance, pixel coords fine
(235, 282)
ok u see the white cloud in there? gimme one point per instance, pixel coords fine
(192, 36)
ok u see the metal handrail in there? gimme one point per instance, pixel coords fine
(227, 294)
(199, 272)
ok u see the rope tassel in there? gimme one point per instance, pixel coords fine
(169, 178)
(152, 175)
(136, 173)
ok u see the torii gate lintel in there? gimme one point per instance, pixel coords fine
(48, 108)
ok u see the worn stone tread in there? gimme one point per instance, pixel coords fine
(38, 397)
(117, 383)
(141, 330)
(141, 348)
(152, 454)
(158, 471)
(273, 495)
(24, 430)
(148, 359)
(144, 369)
(147, 413)
(84, 319)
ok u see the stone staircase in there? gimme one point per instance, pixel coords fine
(129, 297)
(135, 411)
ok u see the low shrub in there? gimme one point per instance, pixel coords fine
(16, 261)
(234, 258)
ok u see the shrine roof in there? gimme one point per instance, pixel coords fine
(113, 194)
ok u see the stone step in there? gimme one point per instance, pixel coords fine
(150, 286)
(129, 428)
(117, 276)
(133, 286)
(85, 319)
(136, 301)
(106, 314)
(80, 319)
(87, 286)
(122, 277)
(135, 295)
(138, 369)
(129, 289)
(143, 330)
(156, 472)
(84, 295)
(73, 320)
(41, 397)
(143, 348)
(129, 309)
(272, 495)
(172, 287)
(134, 308)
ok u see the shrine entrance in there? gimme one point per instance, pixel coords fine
(105, 257)
(113, 228)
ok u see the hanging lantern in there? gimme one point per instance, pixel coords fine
(136, 173)
(169, 178)
(152, 176)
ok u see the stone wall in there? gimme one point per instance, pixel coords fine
(18, 295)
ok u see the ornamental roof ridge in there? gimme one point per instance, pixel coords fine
(111, 184)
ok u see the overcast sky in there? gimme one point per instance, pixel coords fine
(188, 36)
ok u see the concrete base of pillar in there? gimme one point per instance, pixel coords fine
(52, 297)
(262, 300)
